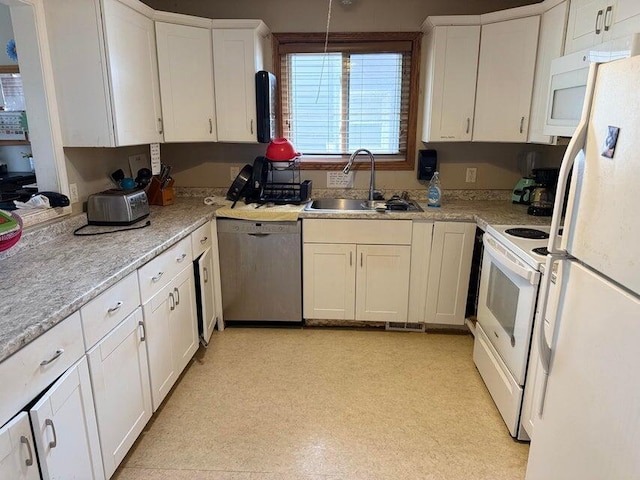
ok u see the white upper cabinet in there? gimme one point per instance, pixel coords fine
(185, 63)
(505, 80)
(104, 61)
(552, 32)
(450, 92)
(238, 50)
(595, 21)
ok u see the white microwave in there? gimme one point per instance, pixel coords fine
(568, 82)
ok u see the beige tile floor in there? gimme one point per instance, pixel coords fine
(311, 404)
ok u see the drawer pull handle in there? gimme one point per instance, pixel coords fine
(157, 277)
(116, 308)
(29, 461)
(468, 124)
(160, 125)
(210, 126)
(54, 442)
(361, 259)
(144, 331)
(206, 275)
(172, 307)
(204, 240)
(522, 125)
(177, 295)
(59, 352)
(350, 259)
(181, 258)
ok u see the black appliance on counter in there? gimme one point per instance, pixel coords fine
(266, 106)
(13, 186)
(541, 196)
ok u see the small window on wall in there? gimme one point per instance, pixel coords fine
(361, 93)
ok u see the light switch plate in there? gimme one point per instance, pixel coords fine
(339, 180)
(471, 175)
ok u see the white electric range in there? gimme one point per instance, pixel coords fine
(511, 265)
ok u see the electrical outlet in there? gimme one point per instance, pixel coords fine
(234, 171)
(471, 175)
(73, 192)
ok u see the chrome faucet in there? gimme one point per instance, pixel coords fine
(372, 184)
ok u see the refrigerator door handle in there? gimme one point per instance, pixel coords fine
(544, 349)
(576, 144)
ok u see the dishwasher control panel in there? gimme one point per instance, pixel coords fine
(247, 226)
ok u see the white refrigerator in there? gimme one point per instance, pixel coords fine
(589, 428)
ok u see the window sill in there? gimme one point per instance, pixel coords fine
(337, 162)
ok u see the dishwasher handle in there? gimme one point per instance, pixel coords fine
(259, 234)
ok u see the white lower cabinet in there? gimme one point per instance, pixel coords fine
(329, 286)
(171, 333)
(207, 296)
(449, 270)
(17, 450)
(65, 430)
(122, 394)
(382, 282)
(356, 282)
(356, 269)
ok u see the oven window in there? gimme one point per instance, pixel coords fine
(502, 299)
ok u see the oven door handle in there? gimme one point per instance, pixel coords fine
(532, 276)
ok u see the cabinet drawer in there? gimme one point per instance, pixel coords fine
(158, 272)
(371, 232)
(109, 308)
(24, 371)
(201, 239)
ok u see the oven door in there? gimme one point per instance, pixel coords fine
(506, 305)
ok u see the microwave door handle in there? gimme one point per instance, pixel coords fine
(576, 144)
(531, 276)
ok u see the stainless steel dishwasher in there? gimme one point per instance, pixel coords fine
(260, 269)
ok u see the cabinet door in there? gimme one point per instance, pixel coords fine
(133, 67)
(449, 272)
(505, 80)
(552, 32)
(207, 296)
(234, 61)
(451, 83)
(157, 312)
(585, 26)
(65, 430)
(382, 282)
(185, 64)
(183, 322)
(329, 281)
(17, 451)
(621, 17)
(121, 390)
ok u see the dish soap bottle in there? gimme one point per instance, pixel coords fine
(434, 192)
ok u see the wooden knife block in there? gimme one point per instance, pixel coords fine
(161, 196)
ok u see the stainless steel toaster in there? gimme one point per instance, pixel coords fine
(117, 207)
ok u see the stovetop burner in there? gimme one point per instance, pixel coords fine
(527, 233)
(541, 251)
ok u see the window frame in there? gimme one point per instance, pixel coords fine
(336, 162)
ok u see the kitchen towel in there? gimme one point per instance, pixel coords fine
(264, 213)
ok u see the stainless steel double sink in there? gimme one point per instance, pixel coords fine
(354, 205)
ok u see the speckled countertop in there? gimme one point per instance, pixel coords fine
(43, 283)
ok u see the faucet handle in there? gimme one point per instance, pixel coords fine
(404, 195)
(378, 195)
